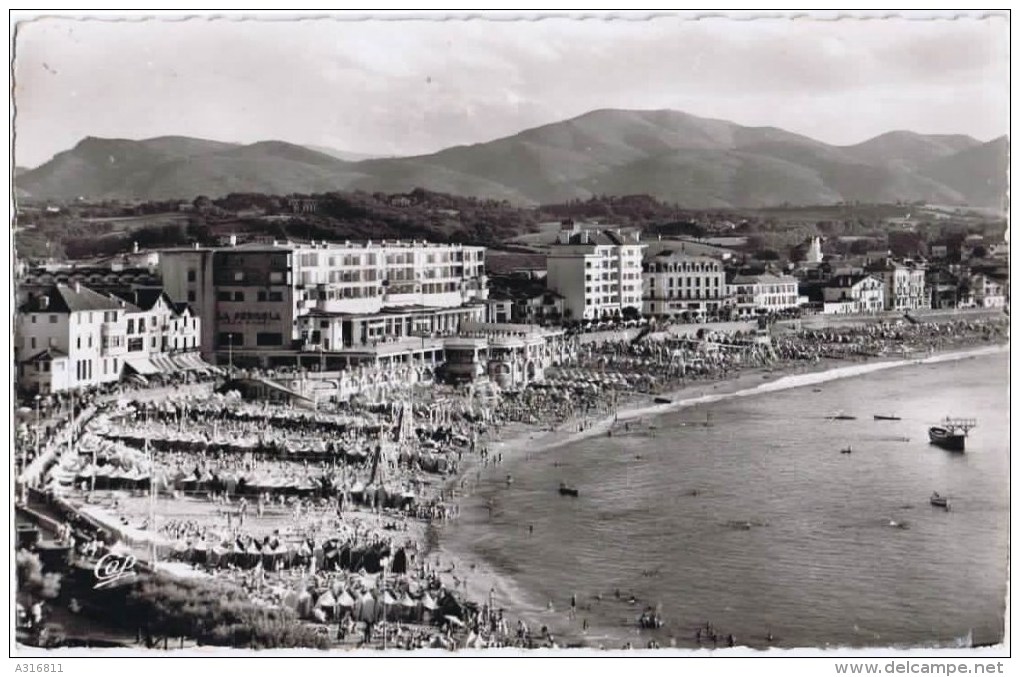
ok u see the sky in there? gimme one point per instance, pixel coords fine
(405, 87)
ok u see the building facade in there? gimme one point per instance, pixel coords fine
(267, 304)
(853, 294)
(69, 337)
(596, 271)
(763, 294)
(904, 284)
(677, 284)
(986, 292)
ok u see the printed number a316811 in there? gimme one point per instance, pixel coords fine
(38, 667)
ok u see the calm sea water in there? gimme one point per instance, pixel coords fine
(822, 562)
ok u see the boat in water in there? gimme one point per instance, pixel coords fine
(847, 450)
(567, 491)
(939, 501)
(662, 400)
(887, 417)
(842, 417)
(951, 433)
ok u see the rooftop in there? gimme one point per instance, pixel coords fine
(60, 298)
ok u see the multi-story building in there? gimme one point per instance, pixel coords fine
(676, 284)
(763, 294)
(986, 292)
(596, 271)
(276, 304)
(162, 336)
(853, 294)
(904, 284)
(68, 337)
(75, 337)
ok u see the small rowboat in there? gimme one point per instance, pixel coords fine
(567, 491)
(939, 501)
(883, 417)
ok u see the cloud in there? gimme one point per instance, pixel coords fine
(403, 87)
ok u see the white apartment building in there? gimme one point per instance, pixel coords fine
(676, 284)
(853, 294)
(763, 294)
(266, 304)
(904, 284)
(596, 271)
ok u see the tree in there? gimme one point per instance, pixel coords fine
(631, 313)
(33, 583)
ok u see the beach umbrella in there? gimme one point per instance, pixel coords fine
(427, 601)
(406, 601)
(345, 600)
(326, 600)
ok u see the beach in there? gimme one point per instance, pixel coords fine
(518, 442)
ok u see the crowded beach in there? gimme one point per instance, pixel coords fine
(331, 513)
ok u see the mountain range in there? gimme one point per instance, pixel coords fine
(674, 156)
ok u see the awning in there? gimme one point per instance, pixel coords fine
(188, 362)
(164, 364)
(141, 365)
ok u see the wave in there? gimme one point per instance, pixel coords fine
(800, 380)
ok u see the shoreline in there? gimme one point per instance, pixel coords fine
(518, 439)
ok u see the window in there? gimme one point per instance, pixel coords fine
(32, 341)
(33, 319)
(239, 296)
(79, 342)
(90, 340)
(261, 296)
(276, 296)
(53, 319)
(131, 327)
(191, 297)
(223, 296)
(191, 275)
(238, 276)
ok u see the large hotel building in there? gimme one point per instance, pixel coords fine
(327, 305)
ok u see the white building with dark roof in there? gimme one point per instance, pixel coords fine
(69, 337)
(677, 284)
(596, 271)
(763, 294)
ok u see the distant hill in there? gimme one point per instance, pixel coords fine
(972, 172)
(345, 155)
(673, 156)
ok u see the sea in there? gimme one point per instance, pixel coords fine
(743, 513)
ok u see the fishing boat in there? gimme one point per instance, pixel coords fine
(886, 417)
(567, 491)
(951, 433)
(939, 501)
